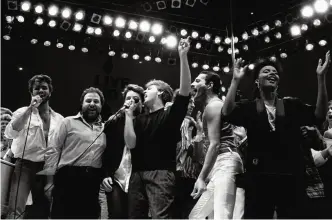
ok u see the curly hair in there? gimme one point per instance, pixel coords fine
(135, 88)
(260, 63)
(214, 78)
(162, 86)
(40, 78)
(93, 90)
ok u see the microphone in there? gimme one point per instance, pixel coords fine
(34, 102)
(125, 106)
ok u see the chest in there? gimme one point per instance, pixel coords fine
(46, 120)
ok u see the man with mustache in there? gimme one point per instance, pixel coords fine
(76, 155)
(32, 129)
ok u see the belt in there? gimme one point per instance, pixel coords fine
(228, 150)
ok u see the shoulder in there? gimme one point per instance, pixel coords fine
(213, 108)
(57, 116)
(20, 110)
(294, 101)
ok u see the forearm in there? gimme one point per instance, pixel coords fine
(210, 159)
(322, 99)
(19, 121)
(326, 153)
(129, 133)
(185, 76)
(229, 103)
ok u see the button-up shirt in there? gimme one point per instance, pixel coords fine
(36, 144)
(71, 142)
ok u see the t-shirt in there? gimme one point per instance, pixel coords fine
(157, 134)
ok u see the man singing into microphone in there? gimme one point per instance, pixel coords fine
(32, 129)
(152, 141)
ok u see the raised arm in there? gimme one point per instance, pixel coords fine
(321, 104)
(185, 76)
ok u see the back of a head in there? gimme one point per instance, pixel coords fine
(167, 91)
(40, 78)
(215, 79)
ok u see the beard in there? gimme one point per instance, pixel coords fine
(90, 115)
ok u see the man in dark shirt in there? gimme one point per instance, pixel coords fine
(153, 142)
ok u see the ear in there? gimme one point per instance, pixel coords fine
(257, 82)
(160, 93)
(210, 86)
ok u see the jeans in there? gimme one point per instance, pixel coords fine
(151, 189)
(117, 202)
(222, 196)
(27, 180)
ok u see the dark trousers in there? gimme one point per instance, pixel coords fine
(76, 193)
(184, 202)
(117, 202)
(154, 190)
(266, 193)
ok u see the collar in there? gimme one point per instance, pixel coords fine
(80, 116)
(280, 110)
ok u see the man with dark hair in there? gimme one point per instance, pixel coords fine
(153, 144)
(76, 155)
(222, 160)
(117, 156)
(32, 130)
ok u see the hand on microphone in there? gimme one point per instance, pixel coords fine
(35, 101)
(129, 107)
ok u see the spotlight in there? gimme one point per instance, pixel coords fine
(20, 68)
(84, 49)
(223, 89)
(47, 43)
(255, 32)
(295, 30)
(53, 10)
(190, 3)
(267, 39)
(12, 4)
(183, 32)
(39, 21)
(277, 23)
(317, 22)
(237, 51)
(96, 18)
(120, 22)
(86, 43)
(309, 47)
(283, 55)
(65, 25)
(98, 31)
(226, 69)
(90, 30)
(176, 4)
(52, 23)
(157, 59)
(7, 33)
(307, 11)
(157, 29)
(66, 13)
(34, 41)
(147, 57)
(304, 27)
(140, 37)
(207, 37)
(278, 35)
(135, 56)
(217, 40)
(171, 41)
(245, 47)
(204, 2)
(194, 34)
(161, 5)
(227, 40)
(59, 44)
(133, 25)
(39, 9)
(9, 19)
(128, 35)
(322, 43)
(205, 66)
(152, 39)
(321, 6)
(198, 46)
(251, 66)
(111, 53)
(77, 27)
(245, 36)
(25, 6)
(116, 33)
(273, 58)
(144, 26)
(266, 28)
(107, 20)
(216, 68)
(194, 64)
(71, 46)
(229, 51)
(220, 49)
(163, 40)
(147, 6)
(79, 15)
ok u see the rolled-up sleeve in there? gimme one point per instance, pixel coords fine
(318, 158)
(10, 133)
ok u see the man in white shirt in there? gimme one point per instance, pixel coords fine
(31, 129)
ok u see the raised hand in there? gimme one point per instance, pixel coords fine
(322, 68)
(132, 106)
(35, 101)
(184, 46)
(238, 70)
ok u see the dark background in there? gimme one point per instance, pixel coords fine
(73, 71)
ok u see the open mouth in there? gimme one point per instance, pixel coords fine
(329, 116)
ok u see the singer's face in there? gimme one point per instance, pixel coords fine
(135, 98)
(150, 94)
(268, 77)
(329, 113)
(199, 86)
(91, 106)
(42, 89)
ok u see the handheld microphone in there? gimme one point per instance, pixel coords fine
(125, 106)
(34, 102)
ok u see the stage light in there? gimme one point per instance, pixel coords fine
(133, 25)
(227, 40)
(226, 69)
(90, 30)
(283, 55)
(309, 47)
(157, 29)
(53, 10)
(273, 58)
(96, 18)
(163, 40)
(220, 49)
(144, 26)
(176, 4)
(307, 11)
(278, 35)
(171, 41)
(111, 53)
(152, 39)
(198, 46)
(120, 22)
(65, 25)
(39, 9)
(317, 22)
(194, 34)
(321, 6)
(34, 41)
(205, 66)
(251, 66)
(267, 39)
(245, 47)
(116, 33)
(6, 37)
(77, 27)
(207, 37)
(161, 5)
(304, 27)
(295, 30)
(84, 49)
(8, 29)
(39, 21)
(98, 31)
(9, 19)
(277, 23)
(217, 40)
(223, 89)
(124, 55)
(66, 13)
(107, 20)
(237, 51)
(135, 56)
(20, 18)
(12, 4)
(229, 50)
(25, 6)
(245, 36)
(79, 15)
(71, 46)
(190, 3)
(183, 32)
(216, 68)
(255, 32)
(157, 59)
(52, 23)
(59, 44)
(322, 43)
(147, 57)
(194, 65)
(20, 68)
(128, 35)
(47, 43)
(266, 28)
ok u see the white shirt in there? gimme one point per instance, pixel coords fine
(271, 114)
(36, 144)
(122, 175)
